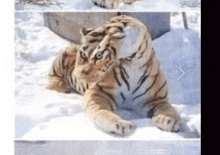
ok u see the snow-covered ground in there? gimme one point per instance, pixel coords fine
(150, 5)
(42, 114)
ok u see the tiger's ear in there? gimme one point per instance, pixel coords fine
(85, 31)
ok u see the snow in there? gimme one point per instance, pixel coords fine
(150, 5)
(42, 114)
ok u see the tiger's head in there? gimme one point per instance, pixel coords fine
(97, 53)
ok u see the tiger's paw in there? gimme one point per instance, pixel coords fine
(122, 128)
(167, 123)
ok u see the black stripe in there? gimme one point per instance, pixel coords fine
(103, 50)
(55, 73)
(143, 76)
(94, 40)
(62, 62)
(84, 89)
(114, 50)
(67, 79)
(150, 113)
(123, 130)
(160, 88)
(73, 62)
(79, 89)
(109, 95)
(133, 55)
(115, 76)
(64, 58)
(87, 86)
(109, 65)
(123, 97)
(75, 80)
(143, 80)
(124, 23)
(71, 80)
(139, 47)
(124, 70)
(124, 79)
(174, 125)
(55, 76)
(157, 99)
(85, 47)
(148, 66)
(95, 34)
(120, 28)
(149, 62)
(66, 69)
(107, 87)
(98, 95)
(128, 59)
(144, 50)
(147, 88)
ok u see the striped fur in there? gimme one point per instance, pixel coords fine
(116, 66)
(111, 4)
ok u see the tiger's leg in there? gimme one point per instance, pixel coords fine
(99, 109)
(111, 4)
(164, 116)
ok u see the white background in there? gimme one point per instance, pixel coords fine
(7, 76)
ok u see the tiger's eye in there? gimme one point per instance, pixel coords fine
(83, 55)
(99, 55)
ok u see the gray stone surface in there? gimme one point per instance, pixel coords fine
(107, 147)
(68, 25)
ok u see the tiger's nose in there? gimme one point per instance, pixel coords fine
(86, 71)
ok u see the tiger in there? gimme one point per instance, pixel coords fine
(115, 66)
(111, 4)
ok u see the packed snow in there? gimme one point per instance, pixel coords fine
(42, 114)
(150, 5)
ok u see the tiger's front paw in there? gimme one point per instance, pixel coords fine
(122, 128)
(167, 123)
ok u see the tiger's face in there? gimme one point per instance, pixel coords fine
(96, 55)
